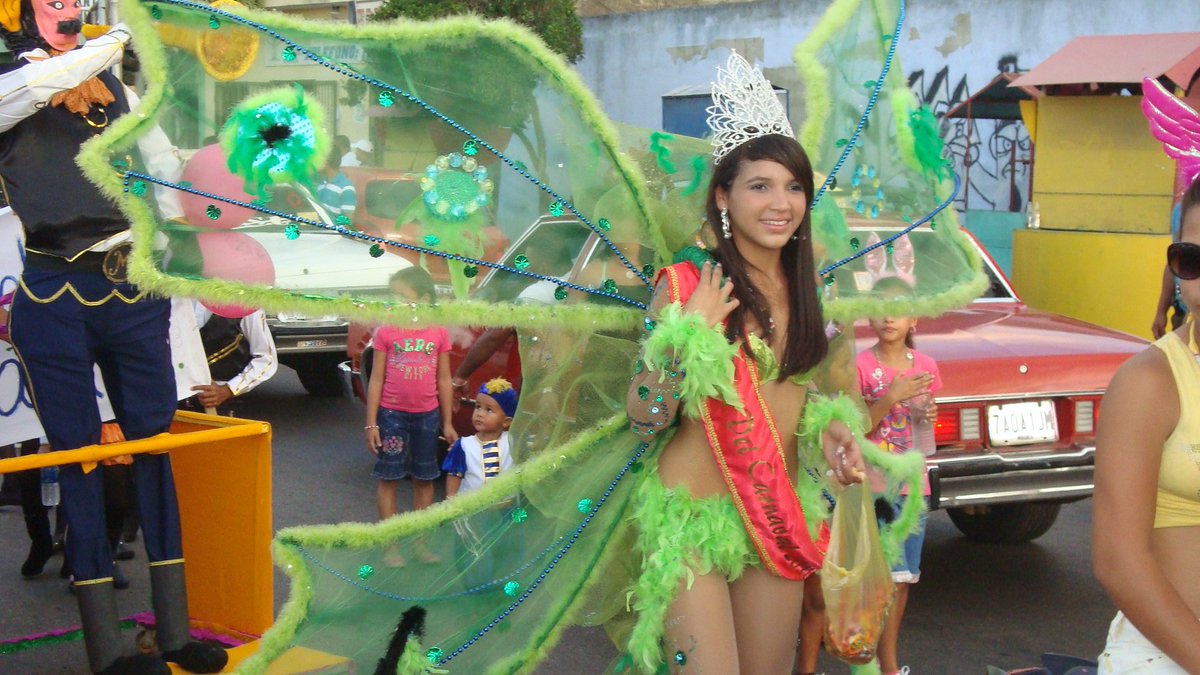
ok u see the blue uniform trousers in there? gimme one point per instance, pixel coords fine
(62, 323)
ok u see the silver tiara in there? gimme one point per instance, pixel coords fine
(744, 107)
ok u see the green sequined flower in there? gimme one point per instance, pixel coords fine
(456, 186)
(519, 515)
(434, 655)
(376, 250)
(604, 224)
(292, 231)
(213, 212)
(470, 271)
(560, 293)
(387, 99)
(138, 188)
(511, 589)
(584, 505)
(521, 262)
(365, 572)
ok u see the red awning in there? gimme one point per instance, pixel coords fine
(1119, 59)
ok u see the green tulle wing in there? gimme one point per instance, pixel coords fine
(494, 169)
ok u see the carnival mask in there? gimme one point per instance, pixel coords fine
(58, 22)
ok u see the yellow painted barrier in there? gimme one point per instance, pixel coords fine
(222, 469)
(1098, 168)
(1106, 278)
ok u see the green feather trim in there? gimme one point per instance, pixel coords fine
(683, 341)
(693, 254)
(904, 468)
(847, 310)
(414, 661)
(817, 102)
(679, 537)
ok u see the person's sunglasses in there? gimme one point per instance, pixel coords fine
(1184, 260)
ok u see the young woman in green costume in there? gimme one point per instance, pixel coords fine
(730, 342)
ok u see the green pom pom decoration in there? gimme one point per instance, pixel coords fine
(278, 136)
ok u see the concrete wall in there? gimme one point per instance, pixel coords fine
(948, 51)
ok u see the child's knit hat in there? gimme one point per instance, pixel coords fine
(501, 390)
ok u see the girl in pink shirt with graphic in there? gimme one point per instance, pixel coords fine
(897, 383)
(409, 399)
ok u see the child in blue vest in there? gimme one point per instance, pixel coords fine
(471, 463)
(473, 460)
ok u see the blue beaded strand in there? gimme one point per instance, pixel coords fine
(362, 236)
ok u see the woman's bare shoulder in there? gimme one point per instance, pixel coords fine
(1146, 376)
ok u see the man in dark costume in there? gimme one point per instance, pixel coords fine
(75, 308)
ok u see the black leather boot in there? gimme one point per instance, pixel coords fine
(102, 638)
(168, 594)
(41, 545)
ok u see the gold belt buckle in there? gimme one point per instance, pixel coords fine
(116, 264)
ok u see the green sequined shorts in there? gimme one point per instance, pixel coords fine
(679, 536)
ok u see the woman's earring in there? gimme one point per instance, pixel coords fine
(725, 229)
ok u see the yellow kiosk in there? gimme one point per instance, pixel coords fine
(1101, 183)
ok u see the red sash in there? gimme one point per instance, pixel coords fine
(749, 454)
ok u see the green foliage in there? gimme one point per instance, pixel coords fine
(555, 21)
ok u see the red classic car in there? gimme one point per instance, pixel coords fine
(1016, 415)
(1017, 412)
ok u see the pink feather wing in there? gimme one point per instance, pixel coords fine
(1175, 124)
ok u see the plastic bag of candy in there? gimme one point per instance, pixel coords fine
(856, 579)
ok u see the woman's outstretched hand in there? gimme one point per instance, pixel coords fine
(712, 299)
(842, 454)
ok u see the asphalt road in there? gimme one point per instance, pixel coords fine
(976, 605)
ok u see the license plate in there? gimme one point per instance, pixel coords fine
(311, 343)
(1022, 423)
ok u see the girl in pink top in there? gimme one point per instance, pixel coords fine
(408, 402)
(898, 382)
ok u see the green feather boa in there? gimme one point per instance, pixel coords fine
(683, 341)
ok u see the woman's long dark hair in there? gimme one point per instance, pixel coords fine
(806, 343)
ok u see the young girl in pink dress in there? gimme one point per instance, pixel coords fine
(409, 399)
(897, 382)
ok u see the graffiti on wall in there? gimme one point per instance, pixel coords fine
(992, 156)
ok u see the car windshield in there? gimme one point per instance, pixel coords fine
(554, 243)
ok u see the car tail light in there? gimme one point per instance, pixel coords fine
(957, 424)
(945, 431)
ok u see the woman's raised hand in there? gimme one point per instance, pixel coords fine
(712, 299)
